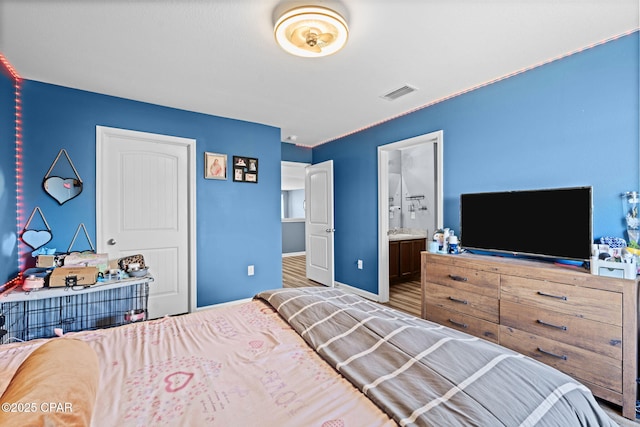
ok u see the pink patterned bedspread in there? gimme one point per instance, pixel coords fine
(238, 365)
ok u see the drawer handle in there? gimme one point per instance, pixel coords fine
(457, 278)
(552, 296)
(462, 325)
(461, 301)
(551, 325)
(548, 353)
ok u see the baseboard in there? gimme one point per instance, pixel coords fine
(293, 254)
(365, 294)
(222, 304)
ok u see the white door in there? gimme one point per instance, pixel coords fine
(319, 222)
(143, 192)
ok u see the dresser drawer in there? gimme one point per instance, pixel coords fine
(468, 279)
(601, 338)
(594, 304)
(579, 363)
(462, 322)
(463, 301)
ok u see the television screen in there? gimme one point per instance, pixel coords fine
(553, 223)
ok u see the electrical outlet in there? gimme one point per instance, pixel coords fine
(250, 270)
(359, 264)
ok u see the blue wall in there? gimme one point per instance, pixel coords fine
(237, 223)
(8, 227)
(571, 122)
(294, 153)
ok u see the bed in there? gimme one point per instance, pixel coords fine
(289, 357)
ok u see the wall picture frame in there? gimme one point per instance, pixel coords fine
(245, 169)
(215, 166)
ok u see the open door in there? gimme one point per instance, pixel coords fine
(319, 223)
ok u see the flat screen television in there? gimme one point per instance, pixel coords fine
(554, 223)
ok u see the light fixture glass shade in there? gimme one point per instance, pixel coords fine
(311, 31)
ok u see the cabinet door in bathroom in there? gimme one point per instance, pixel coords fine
(406, 259)
(416, 254)
(394, 262)
(410, 258)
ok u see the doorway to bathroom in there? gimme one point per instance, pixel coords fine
(410, 194)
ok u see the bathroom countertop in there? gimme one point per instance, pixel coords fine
(404, 234)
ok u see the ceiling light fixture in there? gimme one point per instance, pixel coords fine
(311, 31)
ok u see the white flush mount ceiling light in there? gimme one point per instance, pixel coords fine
(311, 31)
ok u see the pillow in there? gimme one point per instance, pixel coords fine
(55, 385)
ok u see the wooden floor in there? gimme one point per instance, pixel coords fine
(402, 296)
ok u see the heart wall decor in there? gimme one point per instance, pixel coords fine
(36, 238)
(62, 189)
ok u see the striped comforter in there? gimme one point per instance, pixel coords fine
(425, 374)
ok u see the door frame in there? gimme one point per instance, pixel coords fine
(437, 138)
(190, 145)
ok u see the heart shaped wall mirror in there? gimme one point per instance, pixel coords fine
(36, 238)
(62, 189)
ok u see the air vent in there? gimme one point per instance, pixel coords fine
(397, 93)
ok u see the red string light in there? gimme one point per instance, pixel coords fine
(19, 171)
(17, 84)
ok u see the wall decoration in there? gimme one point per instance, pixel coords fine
(245, 169)
(36, 238)
(86, 235)
(62, 189)
(215, 166)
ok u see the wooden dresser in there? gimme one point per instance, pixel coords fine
(581, 324)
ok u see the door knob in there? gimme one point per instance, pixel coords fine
(111, 242)
(330, 230)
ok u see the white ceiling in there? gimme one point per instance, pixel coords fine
(219, 56)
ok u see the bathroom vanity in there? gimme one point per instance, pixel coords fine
(404, 256)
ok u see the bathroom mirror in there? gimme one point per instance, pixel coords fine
(62, 189)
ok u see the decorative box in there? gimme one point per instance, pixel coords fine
(621, 270)
(84, 276)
